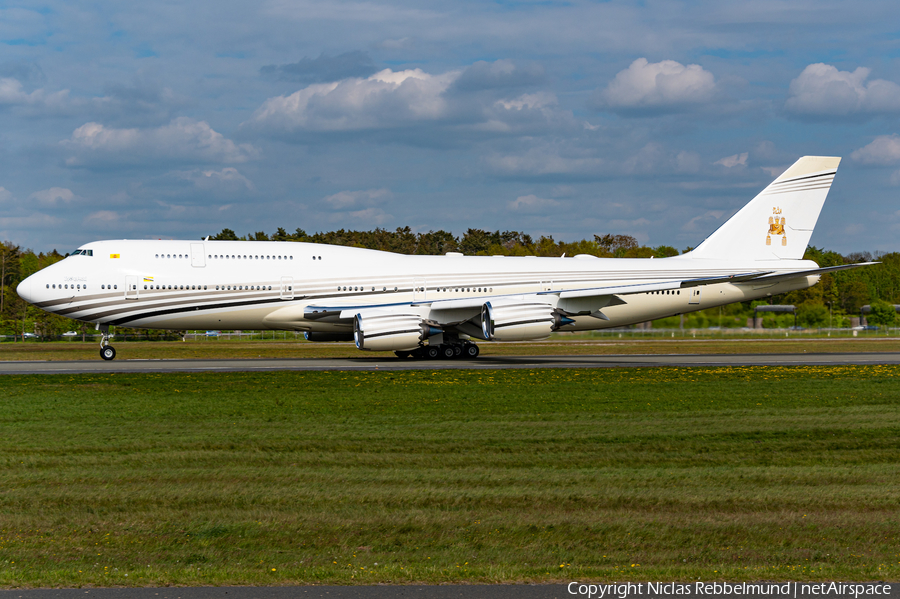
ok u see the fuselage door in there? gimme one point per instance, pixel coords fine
(694, 297)
(287, 288)
(419, 290)
(131, 287)
(198, 257)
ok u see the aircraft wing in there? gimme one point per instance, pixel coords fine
(338, 312)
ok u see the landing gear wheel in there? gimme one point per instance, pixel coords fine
(108, 353)
(447, 352)
(402, 354)
(432, 352)
(471, 351)
(457, 351)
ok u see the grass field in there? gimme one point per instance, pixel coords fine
(515, 475)
(221, 349)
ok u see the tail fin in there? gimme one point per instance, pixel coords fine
(776, 224)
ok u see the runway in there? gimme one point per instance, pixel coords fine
(481, 363)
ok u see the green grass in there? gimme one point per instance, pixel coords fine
(484, 476)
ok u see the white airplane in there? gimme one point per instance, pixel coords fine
(434, 306)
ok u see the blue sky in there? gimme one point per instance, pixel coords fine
(654, 119)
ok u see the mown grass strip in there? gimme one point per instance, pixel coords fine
(512, 475)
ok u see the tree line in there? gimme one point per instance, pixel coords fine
(836, 298)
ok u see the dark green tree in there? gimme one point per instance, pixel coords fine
(225, 235)
(883, 314)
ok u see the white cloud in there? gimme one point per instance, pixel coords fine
(13, 94)
(347, 200)
(5, 195)
(884, 150)
(533, 204)
(666, 86)
(182, 139)
(53, 196)
(821, 90)
(229, 178)
(536, 101)
(386, 99)
(477, 99)
(733, 161)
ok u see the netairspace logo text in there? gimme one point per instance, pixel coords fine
(771, 589)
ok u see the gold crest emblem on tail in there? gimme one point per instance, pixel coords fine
(776, 227)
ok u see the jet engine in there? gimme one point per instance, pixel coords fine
(521, 321)
(382, 332)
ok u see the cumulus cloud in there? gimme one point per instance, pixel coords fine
(733, 161)
(183, 139)
(822, 91)
(478, 99)
(324, 68)
(53, 196)
(532, 204)
(348, 200)
(385, 99)
(883, 150)
(658, 87)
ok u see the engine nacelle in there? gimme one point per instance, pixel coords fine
(520, 322)
(385, 332)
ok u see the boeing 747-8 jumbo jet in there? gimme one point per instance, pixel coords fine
(434, 306)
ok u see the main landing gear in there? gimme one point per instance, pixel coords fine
(107, 351)
(446, 351)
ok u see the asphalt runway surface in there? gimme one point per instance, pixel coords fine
(484, 362)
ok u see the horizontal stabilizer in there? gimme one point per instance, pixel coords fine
(771, 279)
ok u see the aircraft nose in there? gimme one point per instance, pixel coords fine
(24, 290)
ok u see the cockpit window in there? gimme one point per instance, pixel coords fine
(82, 253)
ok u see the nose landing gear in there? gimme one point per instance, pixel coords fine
(107, 351)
